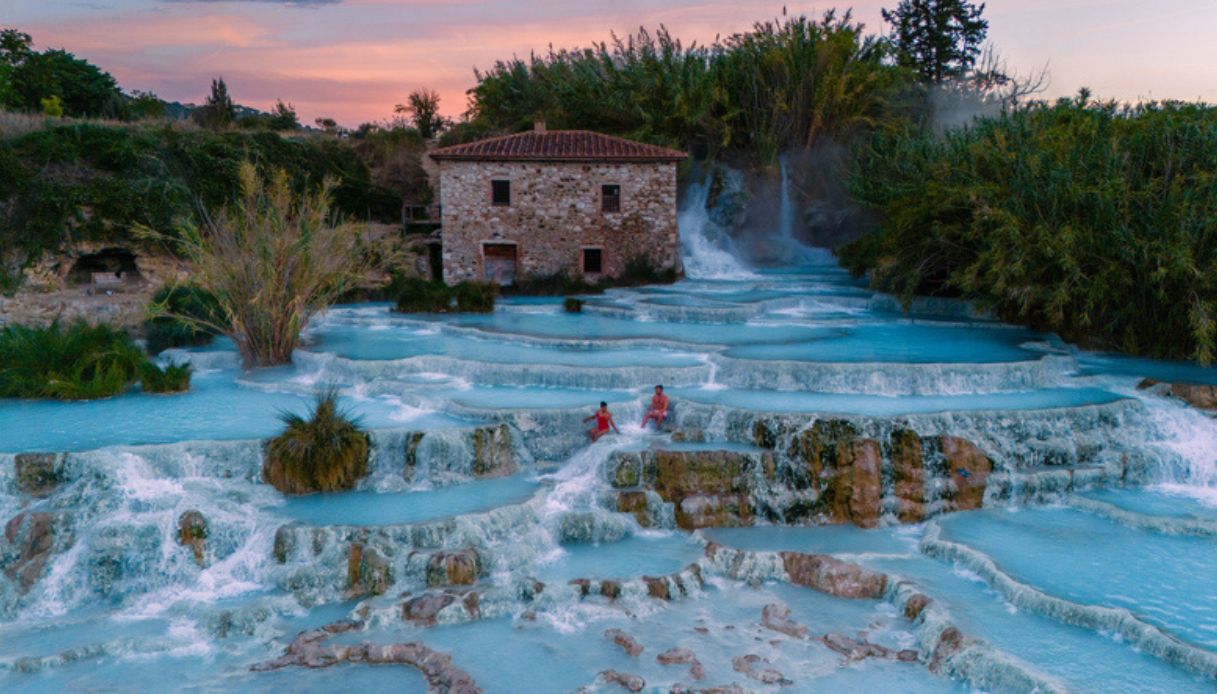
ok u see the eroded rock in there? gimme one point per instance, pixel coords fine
(1199, 395)
(192, 533)
(367, 572)
(683, 656)
(628, 643)
(860, 649)
(630, 682)
(755, 667)
(776, 616)
(36, 474)
(310, 649)
(454, 568)
(833, 576)
(31, 538)
(494, 453)
(969, 468)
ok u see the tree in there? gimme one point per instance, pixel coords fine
(144, 106)
(219, 112)
(329, 125)
(283, 117)
(940, 39)
(422, 107)
(83, 88)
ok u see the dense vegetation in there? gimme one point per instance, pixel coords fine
(188, 316)
(98, 182)
(78, 362)
(787, 83)
(324, 452)
(270, 261)
(415, 295)
(1089, 219)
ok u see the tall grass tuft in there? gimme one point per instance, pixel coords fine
(476, 297)
(167, 329)
(272, 260)
(172, 378)
(79, 362)
(325, 452)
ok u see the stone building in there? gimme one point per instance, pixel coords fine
(538, 203)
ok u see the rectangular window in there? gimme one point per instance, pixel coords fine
(593, 261)
(500, 193)
(610, 198)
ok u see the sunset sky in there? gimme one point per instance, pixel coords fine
(354, 59)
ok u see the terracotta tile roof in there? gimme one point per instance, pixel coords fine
(557, 145)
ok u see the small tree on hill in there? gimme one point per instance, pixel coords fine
(283, 117)
(940, 39)
(422, 107)
(218, 112)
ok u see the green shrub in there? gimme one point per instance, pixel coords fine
(1092, 220)
(476, 297)
(557, 284)
(189, 312)
(173, 378)
(639, 270)
(572, 305)
(324, 453)
(415, 295)
(80, 362)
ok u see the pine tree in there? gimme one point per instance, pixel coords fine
(940, 39)
(218, 112)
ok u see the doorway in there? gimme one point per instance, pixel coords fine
(499, 263)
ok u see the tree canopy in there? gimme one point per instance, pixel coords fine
(940, 39)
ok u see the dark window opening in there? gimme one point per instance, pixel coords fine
(593, 261)
(107, 266)
(610, 198)
(500, 193)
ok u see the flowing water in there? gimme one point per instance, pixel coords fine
(1089, 569)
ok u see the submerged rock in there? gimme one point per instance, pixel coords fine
(969, 468)
(633, 683)
(628, 643)
(31, 539)
(37, 474)
(192, 533)
(309, 649)
(776, 616)
(753, 666)
(833, 576)
(855, 649)
(683, 656)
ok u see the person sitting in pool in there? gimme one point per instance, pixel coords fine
(604, 420)
(659, 409)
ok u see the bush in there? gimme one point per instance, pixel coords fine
(476, 297)
(271, 261)
(557, 284)
(189, 314)
(639, 270)
(324, 453)
(415, 295)
(572, 305)
(1091, 220)
(80, 362)
(173, 378)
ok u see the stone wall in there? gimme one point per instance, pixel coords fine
(555, 213)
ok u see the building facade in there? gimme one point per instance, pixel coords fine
(543, 202)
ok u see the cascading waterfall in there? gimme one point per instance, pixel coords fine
(542, 541)
(708, 251)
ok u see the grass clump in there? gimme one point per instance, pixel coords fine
(77, 362)
(272, 260)
(557, 284)
(172, 378)
(572, 305)
(186, 319)
(476, 297)
(324, 453)
(416, 295)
